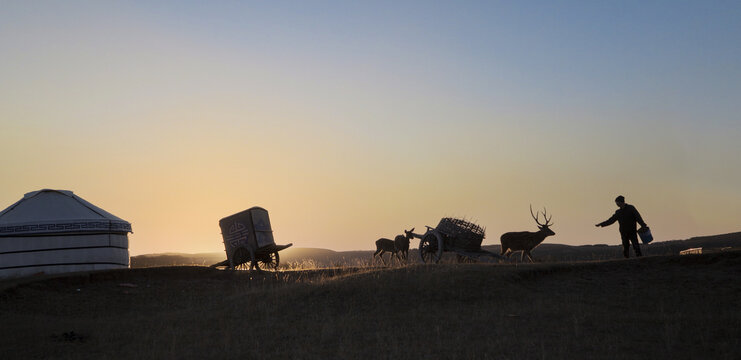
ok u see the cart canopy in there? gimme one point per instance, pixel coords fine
(249, 228)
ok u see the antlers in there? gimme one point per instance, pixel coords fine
(547, 219)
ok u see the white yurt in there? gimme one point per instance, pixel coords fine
(56, 231)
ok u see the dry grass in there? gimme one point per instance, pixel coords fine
(656, 307)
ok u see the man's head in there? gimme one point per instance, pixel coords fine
(620, 201)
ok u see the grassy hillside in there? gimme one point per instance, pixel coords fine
(291, 258)
(680, 307)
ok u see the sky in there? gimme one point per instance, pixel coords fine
(354, 120)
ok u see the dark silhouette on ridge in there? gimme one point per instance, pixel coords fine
(398, 247)
(627, 216)
(525, 241)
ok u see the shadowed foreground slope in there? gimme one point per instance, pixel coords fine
(655, 307)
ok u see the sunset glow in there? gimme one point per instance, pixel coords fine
(353, 121)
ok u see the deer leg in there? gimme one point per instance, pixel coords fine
(529, 256)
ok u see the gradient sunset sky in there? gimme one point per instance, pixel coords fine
(354, 120)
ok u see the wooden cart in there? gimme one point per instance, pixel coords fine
(249, 229)
(455, 235)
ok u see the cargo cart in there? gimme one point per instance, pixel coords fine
(245, 231)
(455, 235)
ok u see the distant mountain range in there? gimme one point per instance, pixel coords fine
(304, 258)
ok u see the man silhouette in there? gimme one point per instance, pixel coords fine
(627, 216)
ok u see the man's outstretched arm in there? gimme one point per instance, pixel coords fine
(609, 221)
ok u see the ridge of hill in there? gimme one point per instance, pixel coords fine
(302, 258)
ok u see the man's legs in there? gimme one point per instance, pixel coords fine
(636, 246)
(626, 245)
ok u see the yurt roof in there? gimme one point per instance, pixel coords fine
(57, 211)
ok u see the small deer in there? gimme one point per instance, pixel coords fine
(526, 240)
(398, 247)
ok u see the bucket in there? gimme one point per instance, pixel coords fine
(645, 234)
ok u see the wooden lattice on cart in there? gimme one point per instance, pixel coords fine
(456, 235)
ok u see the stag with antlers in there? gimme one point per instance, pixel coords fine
(525, 241)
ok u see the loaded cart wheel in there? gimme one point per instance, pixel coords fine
(240, 259)
(269, 261)
(431, 248)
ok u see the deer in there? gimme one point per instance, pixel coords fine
(398, 247)
(525, 241)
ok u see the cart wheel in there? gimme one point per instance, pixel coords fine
(241, 259)
(431, 248)
(269, 261)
